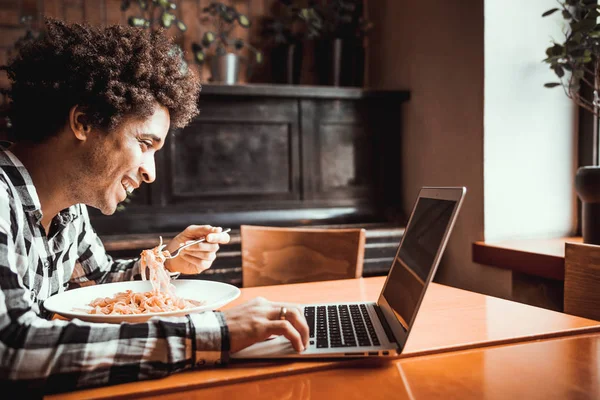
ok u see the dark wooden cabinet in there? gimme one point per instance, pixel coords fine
(276, 155)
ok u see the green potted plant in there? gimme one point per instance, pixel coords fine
(340, 51)
(291, 23)
(154, 15)
(225, 49)
(576, 62)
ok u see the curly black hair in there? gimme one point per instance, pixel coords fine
(111, 72)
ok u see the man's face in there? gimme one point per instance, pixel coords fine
(120, 160)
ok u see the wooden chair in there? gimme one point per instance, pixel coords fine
(582, 280)
(273, 256)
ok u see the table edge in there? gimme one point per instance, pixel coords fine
(321, 365)
(519, 260)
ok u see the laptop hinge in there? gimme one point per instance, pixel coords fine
(386, 327)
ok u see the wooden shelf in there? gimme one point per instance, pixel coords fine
(539, 257)
(303, 91)
(264, 154)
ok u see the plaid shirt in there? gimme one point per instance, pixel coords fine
(58, 355)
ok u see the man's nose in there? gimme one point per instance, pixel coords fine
(148, 171)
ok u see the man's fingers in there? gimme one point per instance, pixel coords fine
(207, 247)
(285, 328)
(297, 319)
(213, 234)
(259, 318)
(199, 265)
(198, 230)
(222, 238)
(202, 255)
(295, 316)
(276, 309)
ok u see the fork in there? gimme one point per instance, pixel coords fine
(191, 244)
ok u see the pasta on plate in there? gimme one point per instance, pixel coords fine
(161, 298)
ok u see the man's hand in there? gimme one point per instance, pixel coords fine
(199, 257)
(256, 320)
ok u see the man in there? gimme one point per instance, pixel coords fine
(90, 107)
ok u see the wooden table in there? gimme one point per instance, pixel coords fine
(560, 368)
(450, 320)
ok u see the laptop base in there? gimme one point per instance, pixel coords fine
(280, 346)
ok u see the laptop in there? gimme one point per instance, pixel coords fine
(380, 329)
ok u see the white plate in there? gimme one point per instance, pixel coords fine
(212, 294)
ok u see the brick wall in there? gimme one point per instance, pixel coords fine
(102, 12)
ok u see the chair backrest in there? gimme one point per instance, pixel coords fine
(274, 255)
(582, 280)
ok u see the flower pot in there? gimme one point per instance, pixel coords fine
(225, 68)
(587, 186)
(340, 62)
(286, 63)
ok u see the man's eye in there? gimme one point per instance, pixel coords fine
(146, 144)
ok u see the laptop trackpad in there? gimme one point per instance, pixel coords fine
(279, 346)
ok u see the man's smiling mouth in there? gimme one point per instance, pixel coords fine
(127, 186)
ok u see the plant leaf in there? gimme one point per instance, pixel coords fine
(166, 19)
(551, 85)
(208, 38)
(181, 26)
(199, 57)
(229, 14)
(138, 22)
(243, 20)
(592, 14)
(584, 26)
(559, 71)
(550, 12)
(577, 37)
(555, 51)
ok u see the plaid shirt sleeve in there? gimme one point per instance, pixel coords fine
(94, 264)
(57, 355)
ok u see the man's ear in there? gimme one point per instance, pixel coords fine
(77, 122)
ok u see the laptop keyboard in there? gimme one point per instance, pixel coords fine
(340, 326)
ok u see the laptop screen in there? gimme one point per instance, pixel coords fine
(416, 256)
